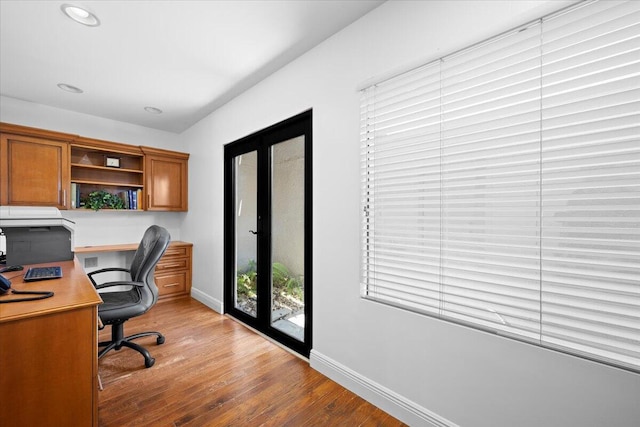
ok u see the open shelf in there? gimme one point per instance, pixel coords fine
(89, 171)
(104, 168)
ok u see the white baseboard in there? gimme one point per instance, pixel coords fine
(214, 304)
(403, 409)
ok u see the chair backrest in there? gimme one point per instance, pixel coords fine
(152, 246)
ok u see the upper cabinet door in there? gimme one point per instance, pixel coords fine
(166, 174)
(34, 171)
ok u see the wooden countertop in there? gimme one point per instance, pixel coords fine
(73, 290)
(120, 247)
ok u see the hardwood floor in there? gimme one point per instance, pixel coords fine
(212, 371)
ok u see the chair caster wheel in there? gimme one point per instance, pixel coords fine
(149, 362)
(160, 340)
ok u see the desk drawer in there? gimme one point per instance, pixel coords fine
(171, 283)
(173, 272)
(176, 251)
(172, 264)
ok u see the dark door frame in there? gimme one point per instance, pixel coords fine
(261, 141)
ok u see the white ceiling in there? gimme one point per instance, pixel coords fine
(186, 58)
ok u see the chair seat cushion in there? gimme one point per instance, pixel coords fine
(121, 305)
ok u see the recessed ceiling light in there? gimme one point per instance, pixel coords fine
(70, 88)
(80, 15)
(153, 110)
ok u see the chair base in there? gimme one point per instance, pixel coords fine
(118, 340)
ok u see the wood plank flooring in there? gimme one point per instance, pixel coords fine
(212, 371)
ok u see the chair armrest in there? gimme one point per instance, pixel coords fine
(121, 283)
(105, 270)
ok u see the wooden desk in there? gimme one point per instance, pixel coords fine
(122, 247)
(49, 353)
(173, 272)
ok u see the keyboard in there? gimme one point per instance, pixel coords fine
(42, 273)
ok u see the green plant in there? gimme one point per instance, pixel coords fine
(246, 284)
(283, 281)
(246, 281)
(101, 199)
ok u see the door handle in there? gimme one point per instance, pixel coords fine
(259, 225)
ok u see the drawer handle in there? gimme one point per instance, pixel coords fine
(171, 285)
(163, 266)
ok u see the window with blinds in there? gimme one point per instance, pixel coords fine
(501, 185)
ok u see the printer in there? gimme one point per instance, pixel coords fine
(33, 235)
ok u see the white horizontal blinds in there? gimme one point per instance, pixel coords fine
(501, 184)
(401, 190)
(491, 184)
(591, 181)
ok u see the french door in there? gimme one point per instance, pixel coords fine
(268, 231)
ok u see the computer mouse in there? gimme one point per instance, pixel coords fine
(11, 268)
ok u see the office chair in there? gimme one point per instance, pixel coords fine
(140, 295)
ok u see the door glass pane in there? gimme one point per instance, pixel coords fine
(287, 237)
(246, 227)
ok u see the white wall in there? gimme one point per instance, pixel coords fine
(419, 369)
(25, 113)
(103, 227)
(287, 214)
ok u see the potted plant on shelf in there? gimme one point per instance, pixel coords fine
(101, 199)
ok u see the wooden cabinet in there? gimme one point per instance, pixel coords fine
(34, 171)
(166, 179)
(112, 167)
(173, 271)
(48, 351)
(39, 167)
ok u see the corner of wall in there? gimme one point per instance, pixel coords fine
(394, 404)
(213, 303)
